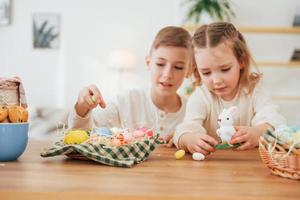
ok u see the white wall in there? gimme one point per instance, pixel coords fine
(91, 29)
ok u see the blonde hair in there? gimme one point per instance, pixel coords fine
(223, 32)
(176, 37)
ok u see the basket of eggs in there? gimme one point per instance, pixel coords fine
(13, 119)
(117, 147)
(280, 151)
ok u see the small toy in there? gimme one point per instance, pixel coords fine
(198, 156)
(76, 137)
(226, 129)
(179, 154)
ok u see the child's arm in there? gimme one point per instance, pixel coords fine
(266, 116)
(191, 135)
(82, 117)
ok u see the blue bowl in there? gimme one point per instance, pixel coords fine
(13, 140)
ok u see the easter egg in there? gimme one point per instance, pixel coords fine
(150, 133)
(103, 131)
(144, 129)
(94, 98)
(138, 134)
(179, 154)
(115, 130)
(76, 137)
(198, 156)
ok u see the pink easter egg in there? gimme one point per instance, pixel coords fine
(150, 133)
(144, 129)
(138, 134)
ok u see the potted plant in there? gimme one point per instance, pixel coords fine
(201, 10)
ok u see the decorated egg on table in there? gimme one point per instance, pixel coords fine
(198, 156)
(76, 137)
(103, 131)
(179, 154)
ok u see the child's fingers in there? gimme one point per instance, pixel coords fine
(96, 96)
(206, 146)
(200, 150)
(244, 146)
(193, 149)
(168, 137)
(239, 131)
(170, 143)
(239, 139)
(209, 139)
(89, 102)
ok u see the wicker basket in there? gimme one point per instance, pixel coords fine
(277, 162)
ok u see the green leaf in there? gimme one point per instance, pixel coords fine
(217, 9)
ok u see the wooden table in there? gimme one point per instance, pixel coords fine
(224, 175)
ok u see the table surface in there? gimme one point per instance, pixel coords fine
(225, 174)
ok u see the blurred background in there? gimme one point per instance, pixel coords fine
(106, 42)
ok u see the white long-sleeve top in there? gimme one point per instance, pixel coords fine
(132, 109)
(204, 107)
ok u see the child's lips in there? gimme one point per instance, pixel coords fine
(167, 85)
(219, 89)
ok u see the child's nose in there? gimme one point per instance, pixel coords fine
(217, 79)
(167, 72)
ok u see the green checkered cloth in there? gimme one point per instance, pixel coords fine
(122, 156)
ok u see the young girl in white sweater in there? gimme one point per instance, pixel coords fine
(159, 107)
(223, 62)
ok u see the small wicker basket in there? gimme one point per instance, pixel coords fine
(277, 160)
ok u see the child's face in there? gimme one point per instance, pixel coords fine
(219, 70)
(168, 66)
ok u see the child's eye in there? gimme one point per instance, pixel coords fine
(226, 69)
(160, 64)
(206, 73)
(179, 67)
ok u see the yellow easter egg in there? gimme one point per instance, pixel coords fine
(179, 154)
(76, 137)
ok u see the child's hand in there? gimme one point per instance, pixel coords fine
(201, 143)
(169, 139)
(88, 99)
(247, 136)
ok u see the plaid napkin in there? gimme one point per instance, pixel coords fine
(122, 156)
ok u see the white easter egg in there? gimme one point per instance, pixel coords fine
(198, 156)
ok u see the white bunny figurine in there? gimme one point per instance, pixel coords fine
(225, 120)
